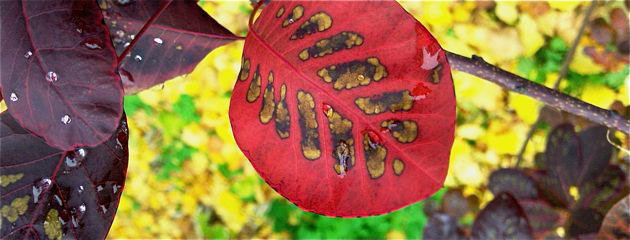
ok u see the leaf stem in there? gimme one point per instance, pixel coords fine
(480, 68)
(143, 29)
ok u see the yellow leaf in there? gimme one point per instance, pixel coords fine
(194, 135)
(599, 95)
(564, 5)
(506, 11)
(469, 131)
(531, 39)
(583, 64)
(526, 107)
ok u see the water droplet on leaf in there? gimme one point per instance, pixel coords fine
(158, 41)
(82, 208)
(13, 97)
(138, 58)
(92, 43)
(58, 199)
(123, 2)
(28, 54)
(51, 76)
(80, 189)
(66, 119)
(120, 33)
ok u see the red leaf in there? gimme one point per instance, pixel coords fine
(182, 35)
(340, 132)
(58, 71)
(48, 193)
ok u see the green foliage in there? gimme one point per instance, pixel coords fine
(133, 104)
(409, 220)
(172, 159)
(185, 108)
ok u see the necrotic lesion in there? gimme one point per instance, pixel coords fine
(341, 136)
(308, 126)
(353, 74)
(389, 101)
(337, 42)
(319, 22)
(283, 118)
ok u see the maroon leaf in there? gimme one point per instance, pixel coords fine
(442, 226)
(58, 71)
(502, 218)
(517, 183)
(616, 224)
(604, 190)
(584, 221)
(455, 204)
(180, 37)
(48, 193)
(543, 218)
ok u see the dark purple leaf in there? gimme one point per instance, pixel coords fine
(596, 154)
(455, 204)
(616, 224)
(441, 226)
(517, 183)
(48, 193)
(182, 35)
(502, 218)
(58, 71)
(604, 190)
(543, 218)
(584, 221)
(563, 155)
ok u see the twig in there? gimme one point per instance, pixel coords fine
(480, 68)
(563, 72)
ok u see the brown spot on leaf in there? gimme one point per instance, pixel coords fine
(337, 42)
(283, 119)
(268, 105)
(254, 87)
(353, 74)
(319, 22)
(244, 73)
(280, 12)
(341, 137)
(293, 16)
(308, 126)
(389, 101)
(398, 166)
(436, 72)
(404, 131)
(375, 154)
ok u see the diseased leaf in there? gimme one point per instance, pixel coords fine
(58, 71)
(513, 181)
(173, 45)
(502, 218)
(337, 118)
(616, 224)
(48, 193)
(442, 226)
